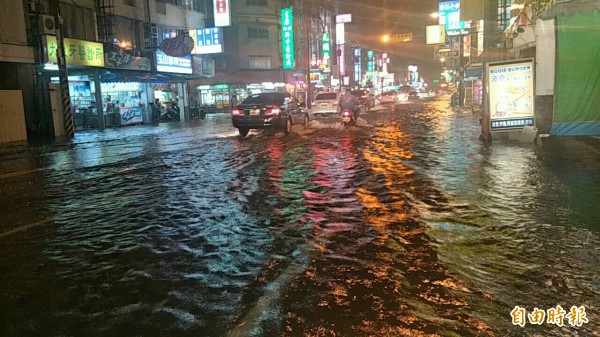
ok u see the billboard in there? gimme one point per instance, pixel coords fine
(170, 64)
(449, 15)
(436, 34)
(343, 18)
(511, 94)
(207, 40)
(357, 65)
(340, 33)
(287, 38)
(326, 46)
(122, 60)
(222, 13)
(77, 52)
(342, 59)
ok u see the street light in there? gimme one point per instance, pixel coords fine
(434, 15)
(385, 38)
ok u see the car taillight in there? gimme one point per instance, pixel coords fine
(273, 111)
(237, 112)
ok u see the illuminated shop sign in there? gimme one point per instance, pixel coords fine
(207, 40)
(170, 64)
(77, 52)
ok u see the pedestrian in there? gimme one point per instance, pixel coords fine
(108, 105)
(234, 101)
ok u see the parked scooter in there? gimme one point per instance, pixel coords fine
(170, 114)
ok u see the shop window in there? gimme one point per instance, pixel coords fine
(79, 22)
(258, 33)
(261, 3)
(199, 6)
(173, 2)
(259, 62)
(127, 31)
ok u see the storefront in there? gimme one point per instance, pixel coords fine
(125, 89)
(129, 98)
(219, 97)
(177, 70)
(215, 92)
(84, 60)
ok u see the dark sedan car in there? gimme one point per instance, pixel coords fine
(364, 98)
(413, 96)
(273, 110)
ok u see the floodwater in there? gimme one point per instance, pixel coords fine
(407, 226)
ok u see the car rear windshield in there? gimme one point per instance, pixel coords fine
(265, 98)
(326, 97)
(390, 93)
(359, 93)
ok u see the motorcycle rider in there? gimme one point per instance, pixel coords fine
(350, 102)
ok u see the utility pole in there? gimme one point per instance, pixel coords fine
(308, 56)
(62, 72)
(461, 71)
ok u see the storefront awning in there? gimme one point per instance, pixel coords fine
(245, 77)
(125, 76)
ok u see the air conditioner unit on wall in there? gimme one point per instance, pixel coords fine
(36, 6)
(47, 25)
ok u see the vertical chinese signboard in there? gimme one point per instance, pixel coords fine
(512, 94)
(357, 65)
(326, 46)
(222, 13)
(287, 38)
(342, 60)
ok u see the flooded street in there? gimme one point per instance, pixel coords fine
(407, 227)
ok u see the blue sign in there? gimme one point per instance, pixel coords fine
(170, 64)
(207, 40)
(449, 12)
(357, 65)
(131, 115)
(512, 123)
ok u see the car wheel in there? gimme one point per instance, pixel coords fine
(306, 122)
(288, 126)
(243, 132)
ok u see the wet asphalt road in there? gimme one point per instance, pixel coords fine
(408, 226)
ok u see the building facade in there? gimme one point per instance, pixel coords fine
(114, 59)
(252, 57)
(17, 61)
(563, 40)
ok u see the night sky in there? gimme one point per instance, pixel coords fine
(401, 16)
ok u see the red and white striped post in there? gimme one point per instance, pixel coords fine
(62, 73)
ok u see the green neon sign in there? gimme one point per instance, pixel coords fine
(326, 46)
(287, 38)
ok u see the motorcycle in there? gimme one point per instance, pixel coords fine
(171, 114)
(348, 118)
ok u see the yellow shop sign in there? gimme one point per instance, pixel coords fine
(77, 52)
